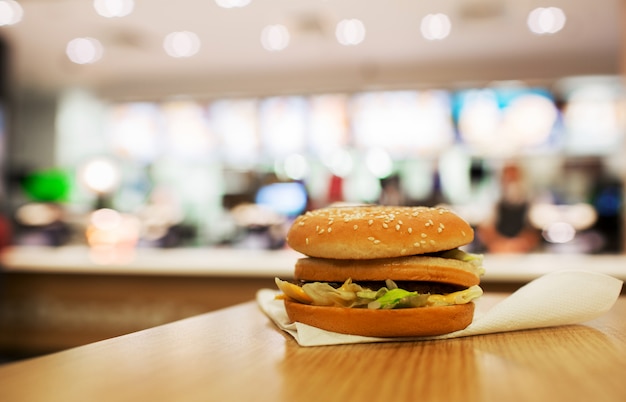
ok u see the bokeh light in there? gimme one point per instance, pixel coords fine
(559, 232)
(112, 236)
(232, 3)
(37, 214)
(181, 44)
(84, 50)
(114, 8)
(10, 12)
(100, 175)
(275, 38)
(296, 167)
(379, 162)
(436, 26)
(350, 32)
(546, 20)
(339, 162)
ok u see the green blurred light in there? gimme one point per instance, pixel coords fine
(47, 186)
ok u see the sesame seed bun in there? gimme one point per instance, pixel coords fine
(412, 268)
(368, 232)
(409, 322)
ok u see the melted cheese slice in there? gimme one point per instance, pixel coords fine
(293, 291)
(461, 297)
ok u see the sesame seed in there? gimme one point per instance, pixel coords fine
(376, 241)
(439, 230)
(403, 251)
(385, 225)
(400, 222)
(397, 227)
(321, 231)
(423, 241)
(301, 223)
(410, 230)
(330, 230)
(355, 227)
(306, 240)
(424, 235)
(427, 224)
(432, 242)
(463, 233)
(441, 226)
(417, 244)
(370, 222)
(371, 238)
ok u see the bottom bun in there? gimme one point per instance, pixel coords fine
(407, 322)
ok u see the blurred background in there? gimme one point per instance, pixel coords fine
(145, 145)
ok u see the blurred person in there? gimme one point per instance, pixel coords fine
(607, 199)
(391, 193)
(508, 229)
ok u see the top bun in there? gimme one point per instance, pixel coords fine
(374, 231)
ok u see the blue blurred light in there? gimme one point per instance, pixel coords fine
(609, 202)
(288, 199)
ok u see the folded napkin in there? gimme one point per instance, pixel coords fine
(557, 298)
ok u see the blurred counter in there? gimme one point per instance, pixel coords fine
(153, 261)
(56, 298)
(512, 269)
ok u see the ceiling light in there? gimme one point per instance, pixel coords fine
(114, 8)
(350, 32)
(10, 12)
(275, 37)
(232, 3)
(181, 44)
(436, 26)
(546, 20)
(84, 50)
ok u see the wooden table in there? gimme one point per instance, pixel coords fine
(237, 354)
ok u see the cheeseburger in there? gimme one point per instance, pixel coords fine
(382, 271)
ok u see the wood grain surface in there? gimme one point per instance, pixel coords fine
(237, 354)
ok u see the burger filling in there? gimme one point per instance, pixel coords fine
(354, 295)
(385, 295)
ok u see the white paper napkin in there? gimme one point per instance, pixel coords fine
(558, 298)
